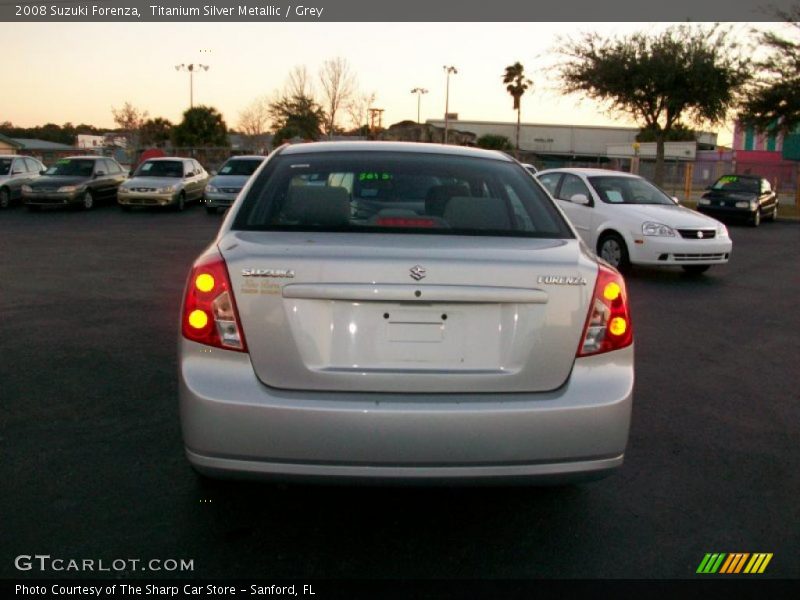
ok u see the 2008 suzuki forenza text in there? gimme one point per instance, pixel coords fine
(402, 311)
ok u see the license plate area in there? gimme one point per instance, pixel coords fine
(415, 326)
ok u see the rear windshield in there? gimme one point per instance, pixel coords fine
(399, 192)
(734, 183)
(241, 166)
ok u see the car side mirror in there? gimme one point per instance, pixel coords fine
(43, 171)
(579, 199)
(189, 174)
(100, 174)
(16, 172)
(675, 200)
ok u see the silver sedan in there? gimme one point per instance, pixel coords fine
(402, 311)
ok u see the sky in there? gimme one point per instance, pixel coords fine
(78, 72)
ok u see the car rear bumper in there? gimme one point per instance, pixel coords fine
(662, 251)
(234, 425)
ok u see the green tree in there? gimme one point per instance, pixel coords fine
(202, 126)
(516, 85)
(296, 116)
(772, 103)
(491, 141)
(678, 133)
(694, 74)
(156, 132)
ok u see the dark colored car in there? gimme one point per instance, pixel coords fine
(76, 180)
(744, 197)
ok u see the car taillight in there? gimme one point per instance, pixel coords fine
(209, 310)
(608, 325)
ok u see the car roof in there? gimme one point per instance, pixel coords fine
(411, 147)
(168, 158)
(248, 156)
(84, 157)
(587, 172)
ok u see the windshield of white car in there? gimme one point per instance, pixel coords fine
(628, 190)
(399, 192)
(160, 168)
(240, 166)
(68, 167)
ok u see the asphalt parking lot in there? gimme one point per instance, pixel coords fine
(93, 462)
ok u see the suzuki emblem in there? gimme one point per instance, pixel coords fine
(417, 272)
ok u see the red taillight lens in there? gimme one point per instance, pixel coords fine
(209, 310)
(608, 325)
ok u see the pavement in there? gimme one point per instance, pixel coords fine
(93, 463)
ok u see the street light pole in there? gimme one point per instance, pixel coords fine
(454, 71)
(419, 91)
(191, 68)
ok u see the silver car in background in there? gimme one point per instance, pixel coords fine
(222, 188)
(171, 182)
(16, 171)
(402, 311)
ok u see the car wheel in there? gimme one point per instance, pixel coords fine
(755, 220)
(613, 250)
(87, 201)
(211, 210)
(181, 204)
(5, 198)
(696, 269)
(774, 214)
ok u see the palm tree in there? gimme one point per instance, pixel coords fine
(516, 85)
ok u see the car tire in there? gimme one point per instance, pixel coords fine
(180, 205)
(695, 269)
(87, 200)
(773, 216)
(5, 198)
(755, 220)
(613, 250)
(211, 210)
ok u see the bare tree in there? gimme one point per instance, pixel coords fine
(358, 109)
(130, 119)
(254, 119)
(338, 85)
(298, 83)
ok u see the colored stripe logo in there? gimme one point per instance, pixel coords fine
(734, 563)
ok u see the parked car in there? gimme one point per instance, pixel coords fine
(16, 171)
(76, 180)
(344, 325)
(746, 197)
(627, 220)
(222, 188)
(164, 182)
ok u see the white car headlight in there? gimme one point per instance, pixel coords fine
(211, 189)
(703, 201)
(650, 228)
(722, 231)
(166, 189)
(742, 204)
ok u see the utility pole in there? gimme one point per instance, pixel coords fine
(448, 70)
(191, 68)
(419, 91)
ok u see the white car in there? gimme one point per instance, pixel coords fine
(627, 220)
